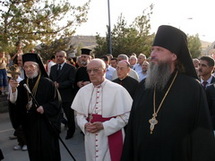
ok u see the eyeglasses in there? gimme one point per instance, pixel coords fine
(95, 70)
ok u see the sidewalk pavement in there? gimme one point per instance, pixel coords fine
(75, 145)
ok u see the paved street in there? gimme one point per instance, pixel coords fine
(75, 144)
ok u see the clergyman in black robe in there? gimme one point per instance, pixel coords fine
(129, 83)
(170, 121)
(41, 120)
(82, 77)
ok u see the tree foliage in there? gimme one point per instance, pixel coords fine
(128, 39)
(48, 50)
(38, 21)
(194, 45)
(136, 38)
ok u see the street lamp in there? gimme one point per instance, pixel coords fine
(109, 30)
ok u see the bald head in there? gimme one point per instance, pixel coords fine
(97, 62)
(96, 69)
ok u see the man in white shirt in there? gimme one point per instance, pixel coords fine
(50, 64)
(143, 74)
(138, 67)
(109, 69)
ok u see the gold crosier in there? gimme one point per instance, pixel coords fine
(153, 121)
(34, 91)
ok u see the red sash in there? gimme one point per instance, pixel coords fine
(115, 141)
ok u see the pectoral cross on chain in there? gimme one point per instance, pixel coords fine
(153, 121)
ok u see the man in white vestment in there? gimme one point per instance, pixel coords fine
(102, 110)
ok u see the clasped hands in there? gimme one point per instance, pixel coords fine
(93, 127)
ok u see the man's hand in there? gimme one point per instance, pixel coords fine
(40, 109)
(56, 84)
(14, 84)
(94, 127)
(80, 84)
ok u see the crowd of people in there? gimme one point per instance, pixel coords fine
(129, 108)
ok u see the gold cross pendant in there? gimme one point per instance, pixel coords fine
(153, 121)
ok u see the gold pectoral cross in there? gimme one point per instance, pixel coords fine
(153, 121)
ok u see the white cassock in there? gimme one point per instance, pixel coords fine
(109, 100)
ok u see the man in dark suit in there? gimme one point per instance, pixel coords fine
(63, 75)
(205, 70)
(206, 67)
(210, 92)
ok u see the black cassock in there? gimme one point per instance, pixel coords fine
(42, 139)
(129, 83)
(210, 93)
(82, 75)
(184, 130)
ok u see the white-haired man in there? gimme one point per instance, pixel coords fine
(39, 117)
(103, 109)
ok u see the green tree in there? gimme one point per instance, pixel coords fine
(194, 45)
(128, 39)
(38, 21)
(50, 49)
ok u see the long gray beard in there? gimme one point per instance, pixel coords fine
(158, 75)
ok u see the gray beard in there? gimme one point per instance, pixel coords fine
(84, 63)
(158, 75)
(34, 75)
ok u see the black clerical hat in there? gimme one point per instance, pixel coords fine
(85, 51)
(175, 41)
(35, 58)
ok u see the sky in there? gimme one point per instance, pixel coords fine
(191, 16)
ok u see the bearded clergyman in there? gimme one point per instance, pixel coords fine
(170, 120)
(39, 116)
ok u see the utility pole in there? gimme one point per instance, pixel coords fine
(109, 30)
